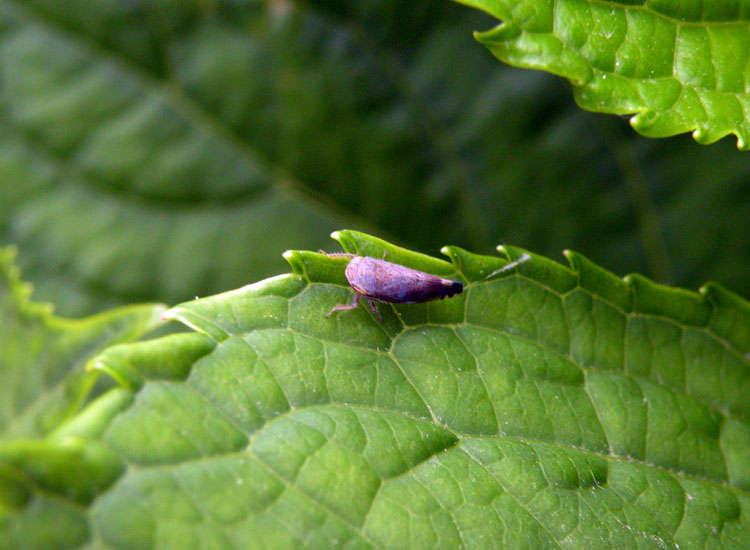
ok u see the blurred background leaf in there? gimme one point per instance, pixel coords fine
(44, 382)
(161, 150)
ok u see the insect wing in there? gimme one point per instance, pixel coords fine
(388, 282)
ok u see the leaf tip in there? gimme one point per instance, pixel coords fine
(296, 262)
(743, 144)
(20, 291)
(350, 240)
(507, 30)
(195, 321)
(702, 135)
(731, 317)
(644, 120)
(453, 253)
(598, 280)
(511, 253)
(113, 365)
(457, 257)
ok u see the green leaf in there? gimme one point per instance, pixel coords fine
(678, 66)
(42, 362)
(543, 407)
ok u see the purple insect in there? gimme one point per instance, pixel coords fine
(381, 281)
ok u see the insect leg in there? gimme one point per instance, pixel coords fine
(374, 309)
(342, 307)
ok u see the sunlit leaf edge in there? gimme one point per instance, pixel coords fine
(722, 312)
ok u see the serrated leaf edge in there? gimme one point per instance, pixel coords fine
(632, 293)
